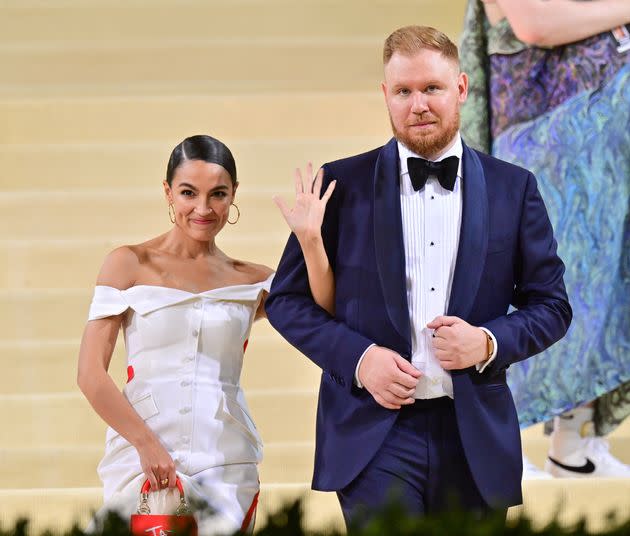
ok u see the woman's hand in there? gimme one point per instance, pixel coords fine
(157, 464)
(306, 217)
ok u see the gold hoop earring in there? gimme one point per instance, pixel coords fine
(171, 212)
(238, 215)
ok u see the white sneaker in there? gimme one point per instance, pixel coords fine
(592, 459)
(532, 472)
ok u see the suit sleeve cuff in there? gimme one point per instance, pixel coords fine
(356, 370)
(482, 366)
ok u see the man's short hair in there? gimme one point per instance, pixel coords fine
(410, 40)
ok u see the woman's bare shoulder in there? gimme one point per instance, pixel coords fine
(120, 267)
(257, 272)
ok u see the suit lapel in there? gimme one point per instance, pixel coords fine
(473, 237)
(388, 239)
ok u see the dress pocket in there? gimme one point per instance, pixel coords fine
(145, 407)
(233, 410)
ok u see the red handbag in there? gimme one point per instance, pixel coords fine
(144, 523)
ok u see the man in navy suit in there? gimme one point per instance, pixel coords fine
(430, 243)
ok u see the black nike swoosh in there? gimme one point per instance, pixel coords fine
(588, 467)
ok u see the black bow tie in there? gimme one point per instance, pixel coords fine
(445, 171)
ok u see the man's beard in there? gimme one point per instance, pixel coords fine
(430, 146)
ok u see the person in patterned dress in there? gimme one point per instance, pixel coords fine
(550, 90)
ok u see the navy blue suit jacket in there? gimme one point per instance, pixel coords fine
(506, 256)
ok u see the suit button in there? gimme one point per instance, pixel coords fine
(185, 383)
(197, 305)
(342, 382)
(185, 410)
(195, 333)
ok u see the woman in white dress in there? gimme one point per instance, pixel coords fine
(186, 310)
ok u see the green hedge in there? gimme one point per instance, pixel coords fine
(391, 522)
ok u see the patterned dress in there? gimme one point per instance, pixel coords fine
(564, 113)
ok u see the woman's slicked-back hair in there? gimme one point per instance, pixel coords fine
(201, 147)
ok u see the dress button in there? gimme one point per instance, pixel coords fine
(188, 358)
(195, 332)
(185, 383)
(197, 305)
(185, 410)
(185, 439)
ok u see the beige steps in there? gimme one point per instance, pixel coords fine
(573, 499)
(94, 22)
(43, 264)
(267, 163)
(284, 462)
(591, 499)
(66, 419)
(104, 214)
(170, 119)
(75, 466)
(50, 366)
(229, 66)
(104, 49)
(36, 314)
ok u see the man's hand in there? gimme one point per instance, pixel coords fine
(388, 377)
(457, 344)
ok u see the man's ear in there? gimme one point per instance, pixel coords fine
(384, 89)
(462, 86)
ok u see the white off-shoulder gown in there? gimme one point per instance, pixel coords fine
(184, 360)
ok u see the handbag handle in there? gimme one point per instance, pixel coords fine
(183, 508)
(146, 487)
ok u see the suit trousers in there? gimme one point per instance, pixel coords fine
(421, 467)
